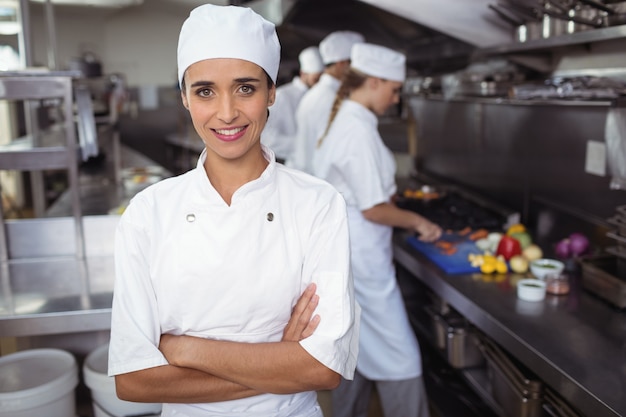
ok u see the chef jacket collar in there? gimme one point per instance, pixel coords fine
(366, 115)
(249, 192)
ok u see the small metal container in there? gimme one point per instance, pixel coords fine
(463, 348)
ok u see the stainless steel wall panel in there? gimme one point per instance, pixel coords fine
(517, 154)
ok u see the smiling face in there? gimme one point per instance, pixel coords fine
(228, 100)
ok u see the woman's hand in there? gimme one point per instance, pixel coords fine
(302, 323)
(428, 231)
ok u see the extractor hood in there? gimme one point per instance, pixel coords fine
(467, 20)
(94, 3)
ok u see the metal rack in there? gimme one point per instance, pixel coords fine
(49, 149)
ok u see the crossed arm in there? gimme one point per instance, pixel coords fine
(204, 370)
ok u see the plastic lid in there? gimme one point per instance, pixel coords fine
(35, 377)
(95, 370)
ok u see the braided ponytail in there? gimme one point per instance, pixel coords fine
(352, 80)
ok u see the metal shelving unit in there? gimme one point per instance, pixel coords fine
(538, 53)
(47, 149)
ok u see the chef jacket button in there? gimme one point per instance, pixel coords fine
(270, 217)
(191, 218)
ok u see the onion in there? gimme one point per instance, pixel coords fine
(563, 249)
(578, 244)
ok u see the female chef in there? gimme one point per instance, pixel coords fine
(352, 157)
(218, 270)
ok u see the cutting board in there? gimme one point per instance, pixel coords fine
(456, 263)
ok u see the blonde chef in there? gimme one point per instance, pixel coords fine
(233, 294)
(352, 157)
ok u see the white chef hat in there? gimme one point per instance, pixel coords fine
(378, 61)
(337, 46)
(228, 32)
(311, 60)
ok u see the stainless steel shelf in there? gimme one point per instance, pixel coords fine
(578, 38)
(45, 150)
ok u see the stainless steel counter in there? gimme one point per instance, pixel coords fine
(576, 343)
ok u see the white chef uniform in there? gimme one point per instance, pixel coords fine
(355, 160)
(187, 263)
(311, 118)
(280, 131)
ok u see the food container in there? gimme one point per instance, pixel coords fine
(557, 284)
(517, 394)
(531, 289)
(605, 276)
(463, 347)
(38, 382)
(541, 267)
(440, 324)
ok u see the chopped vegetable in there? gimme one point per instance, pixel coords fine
(483, 244)
(479, 234)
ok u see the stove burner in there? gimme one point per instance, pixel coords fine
(455, 212)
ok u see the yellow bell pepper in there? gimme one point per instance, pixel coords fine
(516, 228)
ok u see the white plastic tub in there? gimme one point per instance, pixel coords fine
(38, 382)
(104, 399)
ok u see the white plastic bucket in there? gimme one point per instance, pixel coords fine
(104, 399)
(38, 382)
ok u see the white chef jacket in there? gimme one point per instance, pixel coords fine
(312, 118)
(354, 158)
(279, 134)
(188, 263)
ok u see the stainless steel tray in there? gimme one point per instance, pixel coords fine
(605, 276)
(517, 395)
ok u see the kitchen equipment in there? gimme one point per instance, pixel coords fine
(530, 22)
(620, 249)
(609, 15)
(556, 407)
(557, 284)
(544, 266)
(38, 382)
(440, 323)
(463, 346)
(605, 276)
(454, 263)
(531, 289)
(620, 222)
(457, 210)
(554, 20)
(517, 394)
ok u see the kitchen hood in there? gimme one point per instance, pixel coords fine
(469, 20)
(429, 49)
(94, 3)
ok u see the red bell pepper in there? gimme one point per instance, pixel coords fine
(508, 247)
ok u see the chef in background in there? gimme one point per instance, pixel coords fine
(352, 156)
(233, 293)
(280, 130)
(314, 108)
